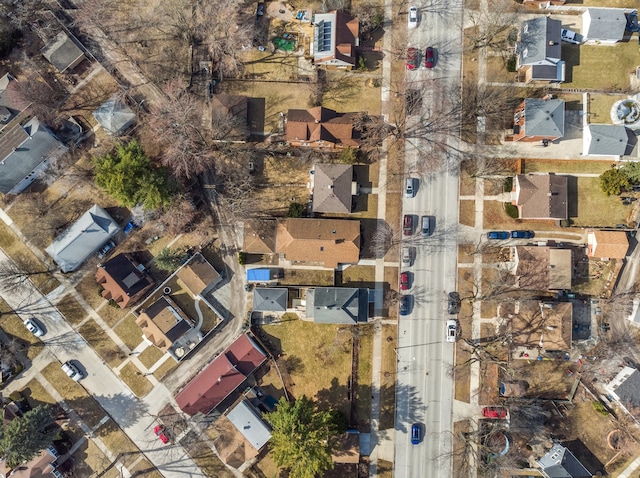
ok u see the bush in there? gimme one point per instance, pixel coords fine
(511, 210)
(296, 209)
(511, 64)
(362, 64)
(612, 181)
(508, 184)
(600, 408)
(242, 258)
(349, 156)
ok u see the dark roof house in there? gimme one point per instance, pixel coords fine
(338, 305)
(625, 388)
(11, 101)
(613, 140)
(114, 116)
(538, 50)
(63, 53)
(82, 239)
(603, 25)
(229, 114)
(224, 375)
(25, 153)
(321, 127)
(270, 299)
(324, 241)
(123, 280)
(541, 196)
(559, 462)
(333, 188)
(163, 323)
(538, 119)
(335, 38)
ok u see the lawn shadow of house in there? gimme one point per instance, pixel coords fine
(573, 207)
(256, 110)
(586, 457)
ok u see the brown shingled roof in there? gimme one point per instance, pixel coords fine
(321, 124)
(259, 236)
(543, 268)
(541, 196)
(609, 244)
(546, 324)
(327, 241)
(332, 188)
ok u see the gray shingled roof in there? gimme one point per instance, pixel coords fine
(83, 238)
(559, 462)
(23, 149)
(338, 305)
(270, 299)
(540, 41)
(629, 391)
(606, 24)
(114, 116)
(62, 52)
(544, 117)
(332, 188)
(608, 139)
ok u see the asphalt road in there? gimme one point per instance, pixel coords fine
(135, 416)
(424, 392)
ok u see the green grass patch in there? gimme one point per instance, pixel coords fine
(71, 309)
(75, 396)
(150, 355)
(594, 207)
(101, 343)
(598, 67)
(600, 107)
(563, 166)
(132, 376)
(129, 332)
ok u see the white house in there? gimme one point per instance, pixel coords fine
(603, 25)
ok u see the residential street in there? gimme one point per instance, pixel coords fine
(424, 382)
(135, 416)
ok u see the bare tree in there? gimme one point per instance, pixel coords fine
(13, 275)
(490, 26)
(42, 97)
(383, 239)
(178, 216)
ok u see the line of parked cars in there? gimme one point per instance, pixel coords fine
(504, 235)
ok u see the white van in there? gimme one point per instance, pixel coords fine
(409, 190)
(406, 256)
(425, 226)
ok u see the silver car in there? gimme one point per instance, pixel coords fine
(72, 371)
(33, 327)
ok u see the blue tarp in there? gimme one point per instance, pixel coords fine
(258, 275)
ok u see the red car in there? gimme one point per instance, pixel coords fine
(407, 225)
(161, 433)
(494, 412)
(412, 61)
(429, 57)
(404, 281)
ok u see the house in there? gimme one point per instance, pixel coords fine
(26, 150)
(609, 140)
(270, 299)
(264, 275)
(338, 305)
(542, 268)
(539, 119)
(11, 102)
(603, 25)
(321, 127)
(123, 280)
(625, 388)
(115, 116)
(63, 53)
(546, 326)
(327, 242)
(223, 376)
(259, 236)
(43, 465)
(229, 115)
(163, 323)
(335, 38)
(607, 244)
(538, 50)
(333, 188)
(559, 462)
(540, 196)
(250, 424)
(82, 239)
(198, 275)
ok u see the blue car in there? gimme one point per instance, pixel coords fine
(522, 234)
(498, 235)
(416, 433)
(405, 305)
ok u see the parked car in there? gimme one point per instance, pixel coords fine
(429, 57)
(72, 371)
(407, 225)
(410, 190)
(453, 306)
(569, 36)
(106, 249)
(34, 327)
(522, 234)
(452, 330)
(405, 281)
(498, 235)
(405, 305)
(494, 412)
(426, 226)
(407, 256)
(161, 433)
(416, 433)
(412, 59)
(413, 17)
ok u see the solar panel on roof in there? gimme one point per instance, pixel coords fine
(323, 35)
